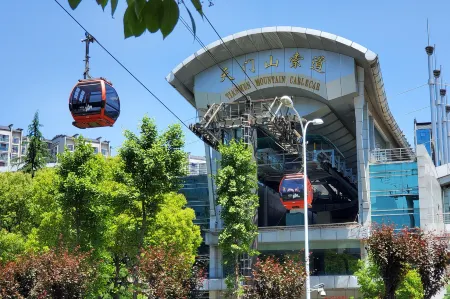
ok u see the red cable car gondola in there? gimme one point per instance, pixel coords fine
(291, 191)
(93, 102)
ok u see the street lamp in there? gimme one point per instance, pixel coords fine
(320, 289)
(287, 101)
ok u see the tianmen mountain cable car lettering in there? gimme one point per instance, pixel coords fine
(93, 102)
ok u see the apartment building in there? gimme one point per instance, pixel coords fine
(14, 143)
(60, 142)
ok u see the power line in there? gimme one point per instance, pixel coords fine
(217, 63)
(408, 90)
(423, 108)
(123, 66)
(210, 54)
(226, 47)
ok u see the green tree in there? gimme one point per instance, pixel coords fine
(151, 15)
(236, 185)
(372, 285)
(11, 245)
(174, 227)
(80, 179)
(25, 205)
(15, 192)
(155, 164)
(37, 151)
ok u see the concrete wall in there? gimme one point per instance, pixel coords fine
(430, 192)
(363, 145)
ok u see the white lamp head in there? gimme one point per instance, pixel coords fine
(322, 292)
(317, 121)
(287, 101)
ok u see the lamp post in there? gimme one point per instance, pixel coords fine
(287, 101)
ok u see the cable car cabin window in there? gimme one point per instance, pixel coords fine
(112, 108)
(111, 112)
(112, 98)
(292, 189)
(87, 99)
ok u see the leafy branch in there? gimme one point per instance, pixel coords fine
(151, 15)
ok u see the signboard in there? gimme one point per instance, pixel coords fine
(326, 74)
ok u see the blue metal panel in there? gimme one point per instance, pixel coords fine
(394, 194)
(424, 137)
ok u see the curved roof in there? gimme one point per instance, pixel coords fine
(267, 38)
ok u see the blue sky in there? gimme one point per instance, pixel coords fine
(42, 55)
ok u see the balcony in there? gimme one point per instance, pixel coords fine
(391, 155)
(3, 148)
(4, 139)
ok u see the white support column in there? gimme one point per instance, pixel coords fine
(211, 188)
(215, 262)
(362, 143)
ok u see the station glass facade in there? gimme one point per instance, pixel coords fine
(394, 194)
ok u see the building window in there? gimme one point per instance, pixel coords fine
(4, 138)
(104, 152)
(70, 147)
(24, 149)
(95, 150)
(16, 140)
(15, 149)
(394, 194)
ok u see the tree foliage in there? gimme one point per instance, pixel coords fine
(80, 176)
(431, 262)
(162, 279)
(150, 15)
(57, 273)
(15, 193)
(236, 185)
(372, 286)
(37, 151)
(394, 253)
(390, 251)
(155, 164)
(95, 203)
(275, 279)
(174, 227)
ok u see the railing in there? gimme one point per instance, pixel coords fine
(197, 169)
(277, 161)
(389, 155)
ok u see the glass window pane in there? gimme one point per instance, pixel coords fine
(111, 112)
(292, 189)
(112, 98)
(87, 99)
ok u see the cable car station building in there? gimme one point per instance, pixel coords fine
(361, 166)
